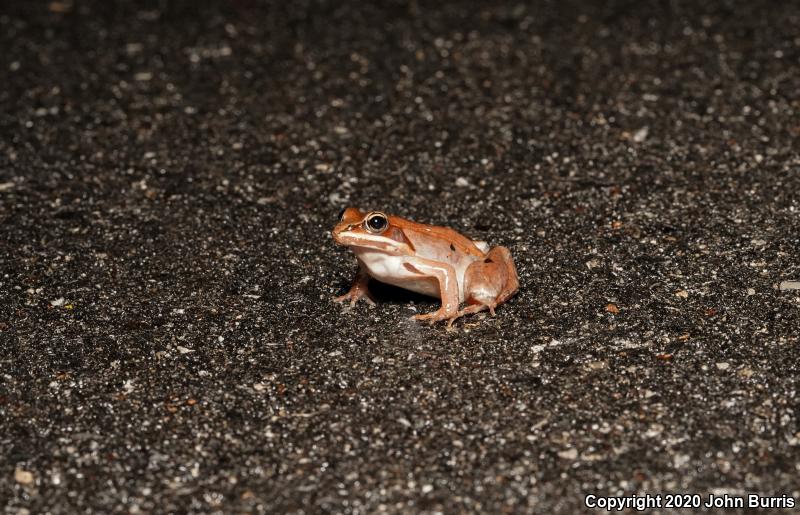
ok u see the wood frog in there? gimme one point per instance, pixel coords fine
(427, 259)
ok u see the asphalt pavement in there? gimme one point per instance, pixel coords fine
(170, 172)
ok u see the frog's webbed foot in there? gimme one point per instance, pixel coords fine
(438, 316)
(476, 308)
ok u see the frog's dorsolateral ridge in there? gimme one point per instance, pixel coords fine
(427, 259)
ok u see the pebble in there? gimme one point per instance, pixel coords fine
(23, 477)
(641, 135)
(569, 454)
(746, 372)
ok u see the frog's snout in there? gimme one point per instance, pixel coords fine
(338, 231)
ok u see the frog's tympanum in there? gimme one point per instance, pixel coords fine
(426, 259)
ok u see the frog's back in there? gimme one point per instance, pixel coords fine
(437, 242)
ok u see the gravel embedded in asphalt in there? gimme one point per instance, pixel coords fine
(170, 173)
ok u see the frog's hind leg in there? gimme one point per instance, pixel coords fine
(490, 282)
(512, 280)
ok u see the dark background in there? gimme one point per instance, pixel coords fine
(169, 175)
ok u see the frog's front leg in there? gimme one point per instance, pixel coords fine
(359, 289)
(445, 274)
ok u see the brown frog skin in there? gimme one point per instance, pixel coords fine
(427, 259)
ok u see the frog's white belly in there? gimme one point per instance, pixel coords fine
(390, 269)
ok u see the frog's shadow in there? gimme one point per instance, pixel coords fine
(386, 293)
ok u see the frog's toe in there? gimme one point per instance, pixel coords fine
(451, 320)
(437, 316)
(425, 316)
(476, 308)
(342, 298)
(354, 297)
(422, 318)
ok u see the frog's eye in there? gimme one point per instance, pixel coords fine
(341, 214)
(376, 222)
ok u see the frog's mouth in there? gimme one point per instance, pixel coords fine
(371, 241)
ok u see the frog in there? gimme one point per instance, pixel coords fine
(431, 260)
